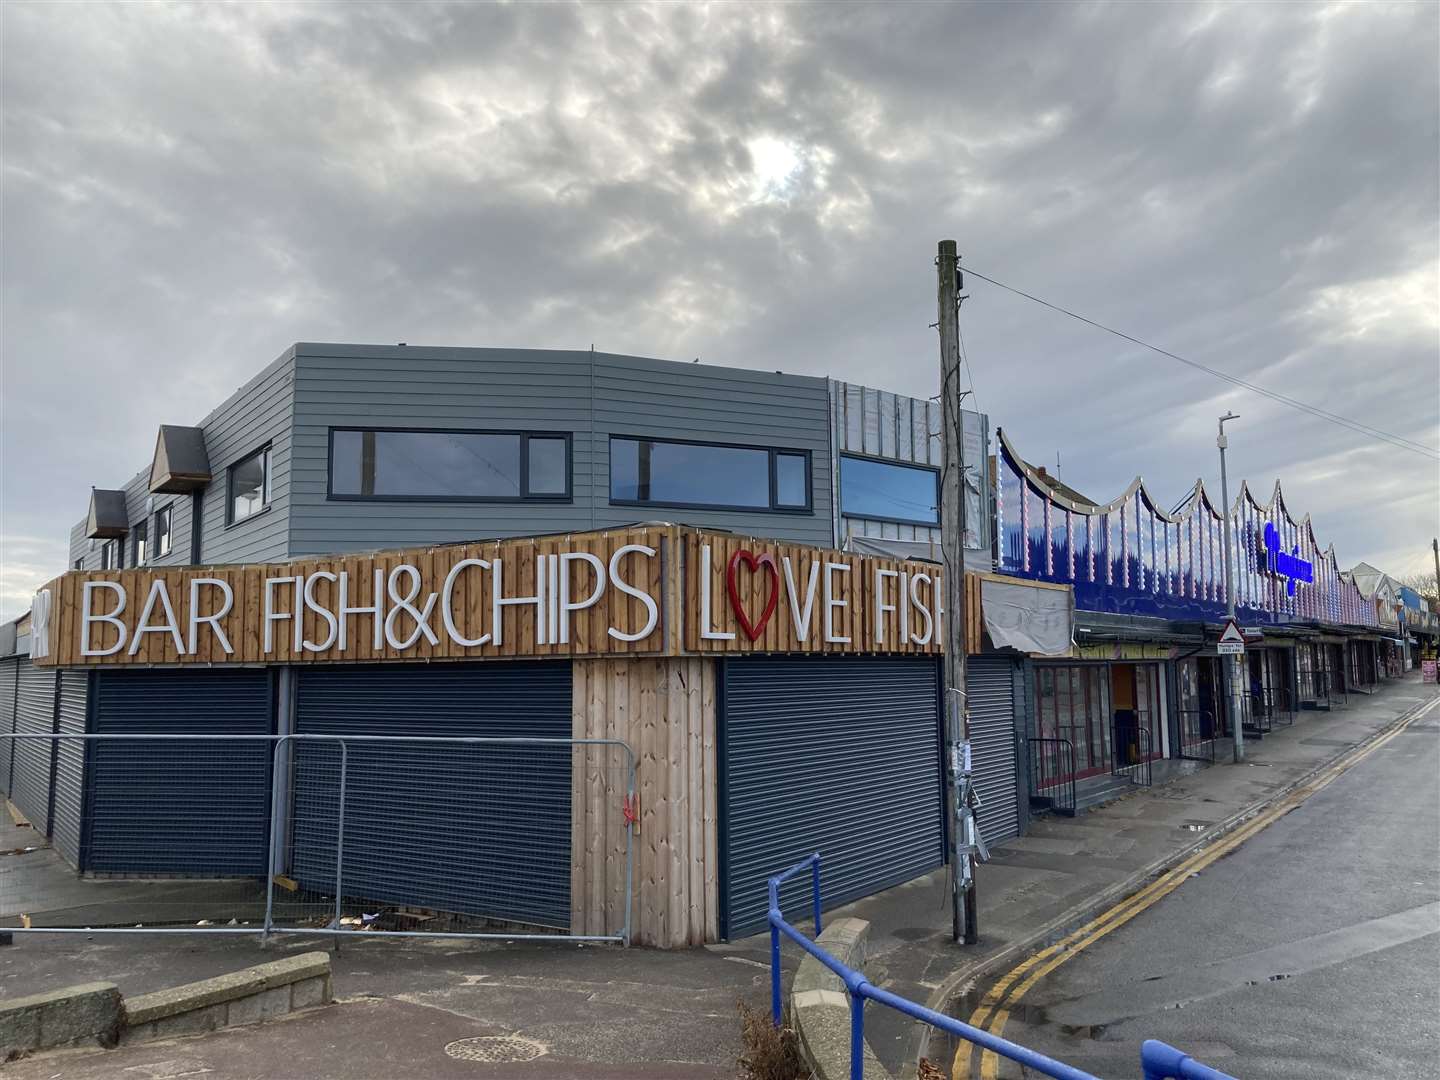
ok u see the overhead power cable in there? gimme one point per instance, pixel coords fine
(1334, 418)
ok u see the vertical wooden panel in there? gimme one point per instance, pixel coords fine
(677, 802)
(710, 797)
(694, 820)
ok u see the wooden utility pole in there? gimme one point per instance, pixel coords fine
(964, 925)
(1435, 550)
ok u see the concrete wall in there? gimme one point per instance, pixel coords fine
(588, 395)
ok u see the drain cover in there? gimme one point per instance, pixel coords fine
(501, 1048)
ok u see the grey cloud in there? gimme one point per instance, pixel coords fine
(189, 189)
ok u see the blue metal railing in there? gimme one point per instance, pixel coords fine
(1160, 1062)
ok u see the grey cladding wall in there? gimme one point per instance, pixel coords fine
(359, 385)
(256, 415)
(663, 399)
(294, 403)
(589, 395)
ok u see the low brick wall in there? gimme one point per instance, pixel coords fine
(820, 1005)
(74, 1016)
(242, 997)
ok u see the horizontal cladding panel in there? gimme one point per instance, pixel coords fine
(681, 390)
(709, 426)
(416, 410)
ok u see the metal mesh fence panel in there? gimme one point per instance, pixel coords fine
(329, 834)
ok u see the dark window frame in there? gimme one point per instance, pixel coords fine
(266, 486)
(167, 513)
(140, 534)
(916, 465)
(116, 545)
(79, 563)
(772, 508)
(524, 435)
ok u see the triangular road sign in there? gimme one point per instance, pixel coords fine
(1231, 635)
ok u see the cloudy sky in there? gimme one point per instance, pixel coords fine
(188, 189)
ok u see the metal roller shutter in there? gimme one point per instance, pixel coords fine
(9, 670)
(199, 808)
(839, 755)
(991, 689)
(70, 765)
(479, 830)
(34, 758)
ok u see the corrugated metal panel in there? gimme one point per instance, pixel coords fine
(481, 830)
(991, 695)
(839, 755)
(8, 677)
(70, 765)
(34, 758)
(180, 807)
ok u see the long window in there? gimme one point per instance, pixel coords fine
(110, 554)
(162, 530)
(657, 472)
(139, 532)
(889, 491)
(445, 466)
(249, 486)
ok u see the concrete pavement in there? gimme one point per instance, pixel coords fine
(651, 1013)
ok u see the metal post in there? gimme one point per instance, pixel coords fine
(340, 839)
(775, 974)
(857, 1036)
(952, 536)
(1236, 662)
(815, 888)
(272, 863)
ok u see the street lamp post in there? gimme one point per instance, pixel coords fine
(1236, 662)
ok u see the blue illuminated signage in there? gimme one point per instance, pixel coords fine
(1291, 567)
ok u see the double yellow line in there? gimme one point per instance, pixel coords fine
(995, 1007)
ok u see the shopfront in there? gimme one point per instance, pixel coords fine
(1109, 715)
(1272, 666)
(779, 699)
(1200, 699)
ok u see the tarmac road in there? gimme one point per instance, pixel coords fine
(1312, 950)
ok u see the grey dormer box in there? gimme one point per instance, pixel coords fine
(107, 515)
(181, 463)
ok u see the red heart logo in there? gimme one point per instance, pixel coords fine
(755, 629)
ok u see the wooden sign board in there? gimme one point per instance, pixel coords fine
(586, 594)
(657, 591)
(747, 595)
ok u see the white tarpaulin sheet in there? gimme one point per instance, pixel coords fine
(1027, 618)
